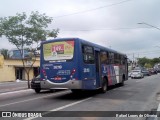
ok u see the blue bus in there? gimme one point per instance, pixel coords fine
(76, 64)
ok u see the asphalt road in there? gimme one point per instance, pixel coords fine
(136, 95)
(13, 86)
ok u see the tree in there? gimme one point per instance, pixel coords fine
(148, 62)
(23, 31)
(148, 65)
(143, 61)
(4, 52)
(154, 61)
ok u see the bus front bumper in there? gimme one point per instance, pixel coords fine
(70, 84)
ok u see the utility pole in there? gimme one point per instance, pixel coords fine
(133, 62)
(137, 60)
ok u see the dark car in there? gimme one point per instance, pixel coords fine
(153, 71)
(146, 72)
(35, 84)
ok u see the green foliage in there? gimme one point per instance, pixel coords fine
(148, 65)
(154, 61)
(21, 30)
(4, 52)
(148, 62)
(143, 61)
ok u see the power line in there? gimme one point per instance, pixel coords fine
(101, 7)
(107, 29)
(150, 53)
(147, 52)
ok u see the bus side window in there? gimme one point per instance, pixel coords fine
(123, 60)
(88, 54)
(104, 57)
(117, 59)
(111, 58)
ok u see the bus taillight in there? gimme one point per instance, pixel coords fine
(73, 71)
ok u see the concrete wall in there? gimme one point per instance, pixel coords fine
(7, 73)
(7, 69)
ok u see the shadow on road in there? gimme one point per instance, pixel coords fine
(77, 95)
(83, 94)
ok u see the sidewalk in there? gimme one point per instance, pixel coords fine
(17, 81)
(13, 86)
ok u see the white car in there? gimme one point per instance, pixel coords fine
(137, 74)
(129, 74)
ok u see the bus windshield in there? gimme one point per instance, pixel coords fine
(61, 50)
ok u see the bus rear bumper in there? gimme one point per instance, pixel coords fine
(70, 84)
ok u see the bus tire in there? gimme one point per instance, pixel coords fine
(37, 90)
(104, 86)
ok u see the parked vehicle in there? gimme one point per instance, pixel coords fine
(129, 74)
(152, 71)
(137, 74)
(35, 84)
(157, 67)
(146, 72)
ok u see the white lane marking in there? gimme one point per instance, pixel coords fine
(33, 99)
(15, 92)
(158, 110)
(60, 108)
(74, 103)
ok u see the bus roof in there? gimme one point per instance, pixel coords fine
(84, 42)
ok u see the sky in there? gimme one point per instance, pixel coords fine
(111, 23)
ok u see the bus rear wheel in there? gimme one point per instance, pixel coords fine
(104, 86)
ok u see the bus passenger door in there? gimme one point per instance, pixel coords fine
(97, 65)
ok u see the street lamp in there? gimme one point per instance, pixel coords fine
(149, 25)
